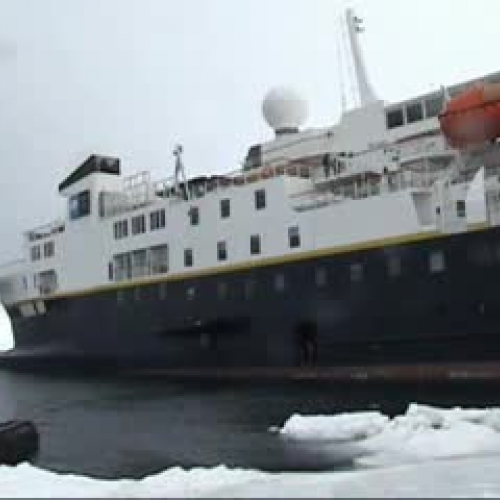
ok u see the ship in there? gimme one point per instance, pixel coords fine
(366, 249)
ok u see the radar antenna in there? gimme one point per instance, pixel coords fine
(355, 28)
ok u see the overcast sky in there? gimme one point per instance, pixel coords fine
(133, 77)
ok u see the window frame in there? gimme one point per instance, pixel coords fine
(260, 199)
(294, 237)
(138, 225)
(415, 112)
(225, 208)
(255, 245)
(194, 216)
(390, 118)
(222, 251)
(188, 258)
(437, 262)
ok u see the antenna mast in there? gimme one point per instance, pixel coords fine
(365, 89)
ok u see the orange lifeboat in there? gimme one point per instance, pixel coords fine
(473, 117)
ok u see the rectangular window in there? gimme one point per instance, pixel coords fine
(194, 215)
(394, 266)
(260, 199)
(414, 112)
(79, 205)
(191, 293)
(188, 258)
(49, 249)
(157, 220)
(138, 225)
(225, 209)
(255, 245)
(461, 209)
(294, 237)
(395, 119)
(222, 251)
(250, 288)
(434, 107)
(222, 291)
(357, 273)
(163, 291)
(159, 259)
(111, 272)
(121, 229)
(437, 262)
(123, 267)
(47, 282)
(140, 263)
(321, 277)
(36, 253)
(279, 283)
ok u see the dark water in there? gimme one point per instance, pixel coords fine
(115, 428)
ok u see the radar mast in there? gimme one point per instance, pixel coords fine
(365, 90)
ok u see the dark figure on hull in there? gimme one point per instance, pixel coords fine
(307, 334)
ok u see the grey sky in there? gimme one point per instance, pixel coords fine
(133, 77)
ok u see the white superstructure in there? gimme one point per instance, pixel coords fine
(383, 172)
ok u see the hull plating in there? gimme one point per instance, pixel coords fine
(324, 314)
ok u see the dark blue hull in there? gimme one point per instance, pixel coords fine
(316, 314)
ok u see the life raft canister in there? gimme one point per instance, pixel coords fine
(473, 117)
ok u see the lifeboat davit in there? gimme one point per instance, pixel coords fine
(473, 117)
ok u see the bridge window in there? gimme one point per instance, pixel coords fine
(395, 119)
(434, 106)
(138, 225)
(414, 112)
(79, 205)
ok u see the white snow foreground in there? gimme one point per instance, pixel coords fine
(425, 453)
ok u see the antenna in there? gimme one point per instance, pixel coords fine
(180, 171)
(355, 28)
(340, 62)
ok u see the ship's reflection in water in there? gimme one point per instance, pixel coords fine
(114, 428)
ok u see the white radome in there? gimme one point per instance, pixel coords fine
(284, 109)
